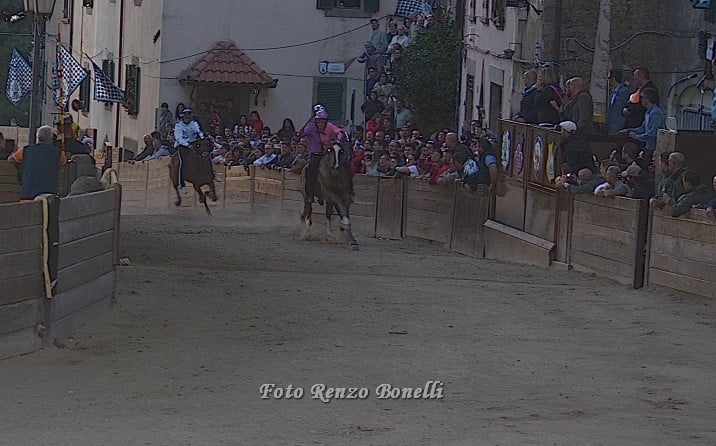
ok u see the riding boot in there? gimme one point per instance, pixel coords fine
(312, 176)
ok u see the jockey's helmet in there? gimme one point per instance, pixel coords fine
(186, 112)
(321, 114)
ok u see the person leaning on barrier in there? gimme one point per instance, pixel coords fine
(575, 148)
(696, 194)
(583, 183)
(40, 164)
(613, 186)
(672, 185)
(711, 205)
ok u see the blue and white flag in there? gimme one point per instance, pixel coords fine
(19, 78)
(104, 88)
(72, 75)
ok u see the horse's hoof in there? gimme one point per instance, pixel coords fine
(354, 247)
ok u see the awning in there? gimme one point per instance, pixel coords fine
(225, 64)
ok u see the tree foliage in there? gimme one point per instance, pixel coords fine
(428, 77)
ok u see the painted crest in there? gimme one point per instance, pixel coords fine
(519, 156)
(551, 161)
(506, 148)
(538, 157)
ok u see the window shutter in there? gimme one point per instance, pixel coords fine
(324, 4)
(371, 5)
(330, 95)
(85, 93)
(132, 89)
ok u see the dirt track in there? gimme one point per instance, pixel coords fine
(211, 309)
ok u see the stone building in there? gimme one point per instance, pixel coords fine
(504, 38)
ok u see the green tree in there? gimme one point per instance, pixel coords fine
(13, 35)
(428, 77)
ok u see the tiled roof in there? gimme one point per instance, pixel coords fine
(226, 64)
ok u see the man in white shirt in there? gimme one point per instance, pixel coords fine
(186, 132)
(377, 36)
(401, 38)
(269, 155)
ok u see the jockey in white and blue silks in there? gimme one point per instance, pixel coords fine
(186, 131)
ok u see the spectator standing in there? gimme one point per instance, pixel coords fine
(620, 96)
(653, 121)
(255, 122)
(635, 110)
(372, 57)
(287, 131)
(377, 36)
(165, 119)
(528, 112)
(372, 106)
(580, 107)
(242, 127)
(40, 165)
(401, 38)
(384, 88)
(403, 116)
(576, 150)
(373, 75)
(229, 115)
(178, 112)
(549, 97)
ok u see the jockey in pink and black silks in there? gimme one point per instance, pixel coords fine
(320, 134)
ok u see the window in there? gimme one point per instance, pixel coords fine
(484, 13)
(495, 105)
(498, 13)
(469, 97)
(472, 12)
(85, 92)
(368, 6)
(331, 93)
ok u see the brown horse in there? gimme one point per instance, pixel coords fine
(335, 185)
(195, 168)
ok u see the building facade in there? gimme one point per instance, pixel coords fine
(155, 44)
(505, 38)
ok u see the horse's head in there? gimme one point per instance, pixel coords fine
(202, 147)
(338, 155)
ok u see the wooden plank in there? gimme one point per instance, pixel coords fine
(427, 232)
(436, 219)
(389, 209)
(66, 326)
(20, 239)
(615, 251)
(505, 243)
(684, 267)
(86, 204)
(72, 300)
(623, 203)
(441, 206)
(621, 272)
(470, 212)
(21, 288)
(685, 228)
(15, 316)
(602, 233)
(676, 282)
(19, 264)
(605, 217)
(86, 226)
(18, 215)
(85, 248)
(684, 249)
(267, 186)
(19, 342)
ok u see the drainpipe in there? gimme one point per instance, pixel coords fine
(119, 76)
(600, 62)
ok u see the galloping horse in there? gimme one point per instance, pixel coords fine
(195, 168)
(335, 185)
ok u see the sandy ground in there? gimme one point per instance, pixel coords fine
(211, 309)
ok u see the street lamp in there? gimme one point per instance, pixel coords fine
(43, 10)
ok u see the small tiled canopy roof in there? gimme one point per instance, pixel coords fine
(226, 64)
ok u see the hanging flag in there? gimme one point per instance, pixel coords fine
(19, 78)
(68, 75)
(104, 88)
(406, 8)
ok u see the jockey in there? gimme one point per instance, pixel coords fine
(321, 134)
(186, 131)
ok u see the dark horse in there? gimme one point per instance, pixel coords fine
(196, 168)
(335, 185)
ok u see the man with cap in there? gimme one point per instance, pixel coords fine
(574, 146)
(186, 131)
(320, 134)
(372, 57)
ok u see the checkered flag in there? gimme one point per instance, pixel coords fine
(407, 8)
(19, 78)
(104, 88)
(68, 75)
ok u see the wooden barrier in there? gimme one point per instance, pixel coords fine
(160, 194)
(238, 189)
(88, 228)
(268, 188)
(363, 209)
(9, 186)
(17, 134)
(608, 237)
(21, 277)
(428, 210)
(133, 177)
(681, 255)
(389, 208)
(471, 210)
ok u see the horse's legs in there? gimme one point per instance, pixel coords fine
(176, 189)
(307, 210)
(329, 212)
(342, 210)
(202, 198)
(212, 191)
